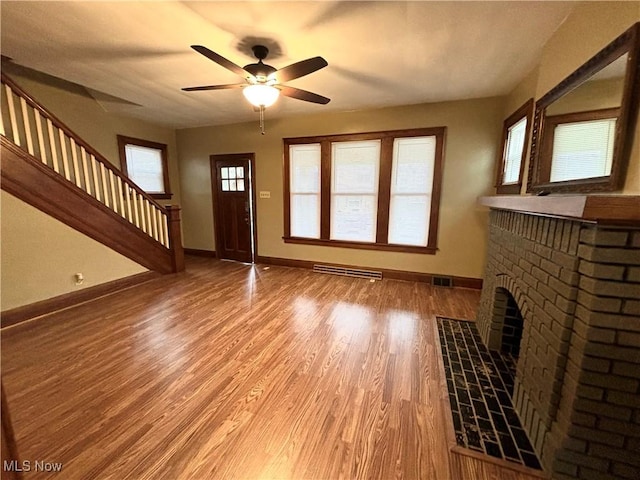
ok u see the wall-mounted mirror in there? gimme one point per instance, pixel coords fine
(583, 128)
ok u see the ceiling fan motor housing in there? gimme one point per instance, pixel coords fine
(260, 70)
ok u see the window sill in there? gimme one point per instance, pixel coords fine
(361, 245)
(161, 196)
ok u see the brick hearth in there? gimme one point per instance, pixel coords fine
(576, 284)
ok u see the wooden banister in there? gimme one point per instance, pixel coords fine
(78, 140)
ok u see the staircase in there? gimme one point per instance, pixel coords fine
(51, 168)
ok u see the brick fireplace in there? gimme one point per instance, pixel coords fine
(561, 294)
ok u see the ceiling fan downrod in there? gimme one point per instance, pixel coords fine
(262, 132)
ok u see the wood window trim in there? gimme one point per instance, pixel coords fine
(384, 189)
(524, 111)
(551, 122)
(123, 141)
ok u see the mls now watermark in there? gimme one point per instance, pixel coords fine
(29, 466)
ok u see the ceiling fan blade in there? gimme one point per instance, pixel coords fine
(220, 60)
(303, 95)
(214, 87)
(300, 69)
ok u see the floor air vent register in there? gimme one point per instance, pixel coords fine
(348, 272)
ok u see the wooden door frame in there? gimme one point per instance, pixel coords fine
(216, 205)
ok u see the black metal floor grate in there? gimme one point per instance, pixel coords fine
(480, 385)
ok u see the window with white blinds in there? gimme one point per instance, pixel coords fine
(515, 138)
(411, 185)
(582, 149)
(514, 149)
(376, 191)
(144, 167)
(145, 163)
(304, 190)
(354, 190)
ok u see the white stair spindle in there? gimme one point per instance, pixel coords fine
(12, 117)
(76, 168)
(127, 199)
(85, 170)
(41, 145)
(27, 125)
(105, 190)
(134, 200)
(54, 150)
(165, 222)
(143, 213)
(96, 181)
(114, 198)
(123, 203)
(65, 156)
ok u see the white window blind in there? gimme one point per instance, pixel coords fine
(513, 152)
(582, 149)
(411, 186)
(354, 190)
(304, 186)
(144, 167)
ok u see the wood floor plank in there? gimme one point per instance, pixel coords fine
(234, 371)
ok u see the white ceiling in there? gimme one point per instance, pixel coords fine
(379, 53)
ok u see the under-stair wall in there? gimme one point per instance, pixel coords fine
(48, 166)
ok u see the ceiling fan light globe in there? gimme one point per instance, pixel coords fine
(261, 95)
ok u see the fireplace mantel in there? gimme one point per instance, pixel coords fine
(604, 209)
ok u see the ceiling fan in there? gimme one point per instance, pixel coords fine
(263, 83)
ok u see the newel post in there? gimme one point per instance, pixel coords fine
(175, 237)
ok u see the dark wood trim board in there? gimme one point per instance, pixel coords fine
(21, 314)
(200, 253)
(460, 282)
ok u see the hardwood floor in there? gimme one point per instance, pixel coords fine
(231, 371)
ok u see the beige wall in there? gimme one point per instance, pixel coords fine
(588, 29)
(40, 256)
(525, 90)
(86, 117)
(472, 139)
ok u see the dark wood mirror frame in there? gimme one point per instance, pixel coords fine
(628, 42)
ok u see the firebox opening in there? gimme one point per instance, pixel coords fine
(507, 314)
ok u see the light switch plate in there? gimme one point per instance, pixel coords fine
(265, 194)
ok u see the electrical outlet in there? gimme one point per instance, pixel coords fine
(265, 194)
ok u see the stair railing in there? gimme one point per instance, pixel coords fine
(33, 128)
